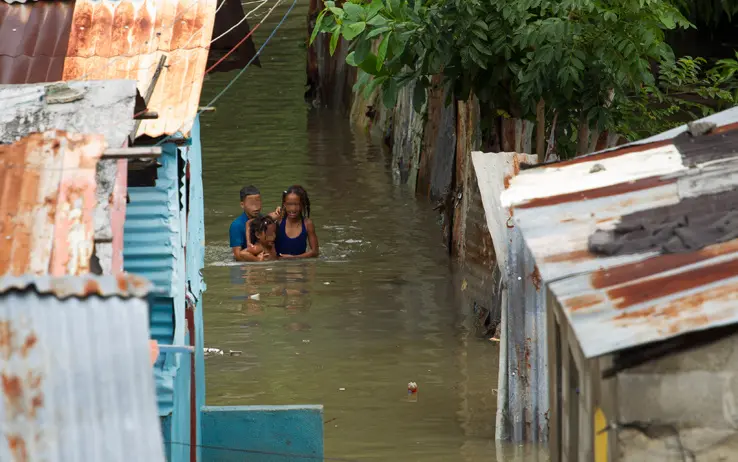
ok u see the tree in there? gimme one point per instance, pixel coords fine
(588, 61)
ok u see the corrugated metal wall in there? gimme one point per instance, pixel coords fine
(153, 248)
(195, 251)
(76, 372)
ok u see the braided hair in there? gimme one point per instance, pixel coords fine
(304, 199)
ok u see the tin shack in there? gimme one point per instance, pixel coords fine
(75, 368)
(157, 227)
(638, 250)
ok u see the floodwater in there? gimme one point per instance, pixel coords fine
(380, 307)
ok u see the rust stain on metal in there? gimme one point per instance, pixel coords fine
(642, 291)
(22, 393)
(104, 40)
(597, 193)
(608, 154)
(582, 302)
(6, 339)
(602, 279)
(569, 257)
(17, 447)
(47, 203)
(506, 181)
(28, 344)
(91, 287)
(535, 277)
(635, 314)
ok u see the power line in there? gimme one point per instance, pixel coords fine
(241, 72)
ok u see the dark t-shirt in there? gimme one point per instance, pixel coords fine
(238, 232)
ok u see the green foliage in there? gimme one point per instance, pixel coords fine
(592, 60)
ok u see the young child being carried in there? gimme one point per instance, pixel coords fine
(263, 231)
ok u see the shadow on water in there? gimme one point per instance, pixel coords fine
(376, 311)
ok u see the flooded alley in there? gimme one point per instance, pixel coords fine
(377, 310)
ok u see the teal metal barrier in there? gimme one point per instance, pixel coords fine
(262, 433)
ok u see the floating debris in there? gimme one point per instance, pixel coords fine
(213, 351)
(412, 392)
(235, 352)
(255, 297)
(341, 389)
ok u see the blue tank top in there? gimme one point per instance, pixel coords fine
(289, 246)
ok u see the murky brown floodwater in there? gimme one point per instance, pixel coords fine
(377, 310)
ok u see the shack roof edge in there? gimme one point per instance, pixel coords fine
(124, 285)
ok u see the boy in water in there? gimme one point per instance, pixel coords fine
(251, 206)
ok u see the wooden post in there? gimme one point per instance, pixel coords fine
(541, 131)
(149, 93)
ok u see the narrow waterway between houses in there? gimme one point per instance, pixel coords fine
(380, 308)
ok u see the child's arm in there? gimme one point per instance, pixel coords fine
(312, 240)
(244, 255)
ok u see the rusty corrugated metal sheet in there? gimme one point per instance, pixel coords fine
(629, 299)
(125, 39)
(33, 41)
(122, 285)
(47, 202)
(522, 399)
(76, 376)
(102, 40)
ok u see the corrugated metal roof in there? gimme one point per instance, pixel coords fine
(77, 382)
(33, 41)
(626, 300)
(98, 40)
(47, 201)
(122, 285)
(125, 39)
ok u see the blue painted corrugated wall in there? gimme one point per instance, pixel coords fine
(152, 247)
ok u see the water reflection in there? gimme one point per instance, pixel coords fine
(376, 311)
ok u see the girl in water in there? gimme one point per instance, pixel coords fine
(295, 229)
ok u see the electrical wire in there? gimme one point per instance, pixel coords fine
(261, 3)
(242, 71)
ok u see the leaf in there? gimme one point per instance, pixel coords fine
(353, 11)
(389, 94)
(334, 39)
(482, 48)
(362, 50)
(316, 29)
(352, 31)
(378, 21)
(351, 59)
(337, 11)
(374, 32)
(482, 25)
(382, 50)
(369, 64)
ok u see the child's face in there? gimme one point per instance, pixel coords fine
(267, 237)
(251, 205)
(292, 206)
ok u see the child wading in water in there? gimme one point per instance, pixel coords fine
(295, 229)
(264, 229)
